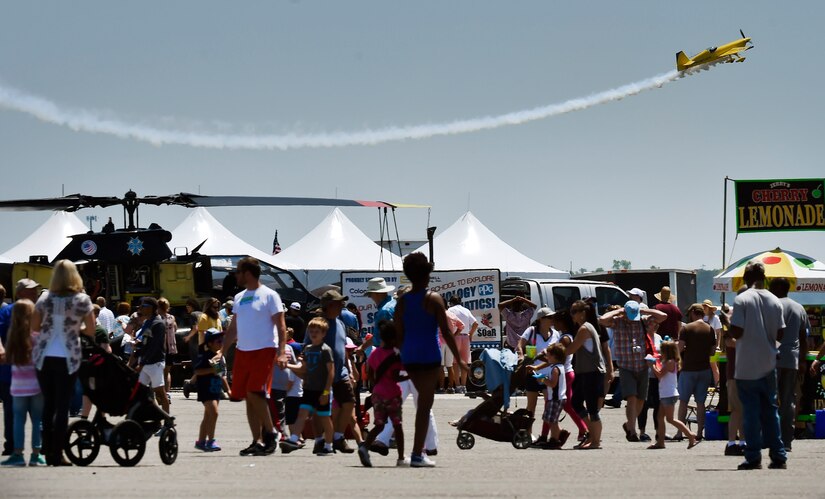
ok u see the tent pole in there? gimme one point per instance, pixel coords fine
(430, 234)
(724, 229)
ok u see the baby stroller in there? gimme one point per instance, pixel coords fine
(491, 419)
(114, 389)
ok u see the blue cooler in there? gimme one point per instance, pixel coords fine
(714, 430)
(819, 429)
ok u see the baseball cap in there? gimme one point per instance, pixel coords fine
(149, 301)
(211, 334)
(631, 310)
(295, 306)
(544, 312)
(26, 283)
(331, 296)
(636, 291)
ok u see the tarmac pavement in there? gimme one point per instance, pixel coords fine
(490, 469)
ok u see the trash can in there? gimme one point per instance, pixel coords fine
(819, 429)
(714, 429)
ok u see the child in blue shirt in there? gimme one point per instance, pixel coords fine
(210, 371)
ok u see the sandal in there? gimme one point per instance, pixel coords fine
(630, 436)
(656, 446)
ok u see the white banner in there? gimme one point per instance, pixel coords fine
(478, 290)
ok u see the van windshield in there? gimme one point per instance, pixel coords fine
(564, 296)
(607, 296)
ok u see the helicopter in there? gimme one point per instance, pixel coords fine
(125, 264)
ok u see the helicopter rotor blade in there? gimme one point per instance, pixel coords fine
(72, 202)
(197, 200)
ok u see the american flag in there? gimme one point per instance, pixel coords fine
(276, 247)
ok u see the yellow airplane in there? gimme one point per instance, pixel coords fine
(715, 55)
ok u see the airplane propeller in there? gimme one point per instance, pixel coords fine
(742, 33)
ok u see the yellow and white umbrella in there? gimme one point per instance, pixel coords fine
(805, 274)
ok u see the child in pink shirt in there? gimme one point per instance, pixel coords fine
(25, 390)
(384, 372)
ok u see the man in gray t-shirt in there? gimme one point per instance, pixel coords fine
(791, 363)
(756, 324)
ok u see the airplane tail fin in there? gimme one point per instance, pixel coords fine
(682, 61)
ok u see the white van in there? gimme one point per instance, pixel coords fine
(558, 294)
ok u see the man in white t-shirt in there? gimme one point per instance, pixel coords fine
(757, 324)
(258, 327)
(463, 338)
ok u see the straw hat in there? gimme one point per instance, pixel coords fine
(709, 304)
(665, 295)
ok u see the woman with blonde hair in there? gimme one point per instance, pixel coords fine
(61, 314)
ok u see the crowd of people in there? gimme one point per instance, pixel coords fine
(663, 360)
(302, 381)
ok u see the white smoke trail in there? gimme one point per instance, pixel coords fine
(89, 121)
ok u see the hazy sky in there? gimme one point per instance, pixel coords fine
(640, 179)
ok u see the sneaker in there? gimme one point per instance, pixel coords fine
(364, 456)
(402, 462)
(450, 391)
(251, 450)
(261, 450)
(212, 446)
(746, 465)
(201, 445)
(37, 460)
(776, 465)
(421, 462)
(271, 442)
(379, 448)
(325, 452)
(733, 450)
(644, 437)
(319, 444)
(431, 452)
(461, 389)
(288, 446)
(563, 436)
(187, 388)
(14, 460)
(340, 445)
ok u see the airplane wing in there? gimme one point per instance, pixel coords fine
(733, 51)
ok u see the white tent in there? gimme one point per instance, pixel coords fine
(469, 244)
(49, 239)
(201, 226)
(334, 245)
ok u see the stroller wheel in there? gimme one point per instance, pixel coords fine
(465, 440)
(82, 443)
(168, 445)
(522, 439)
(127, 443)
